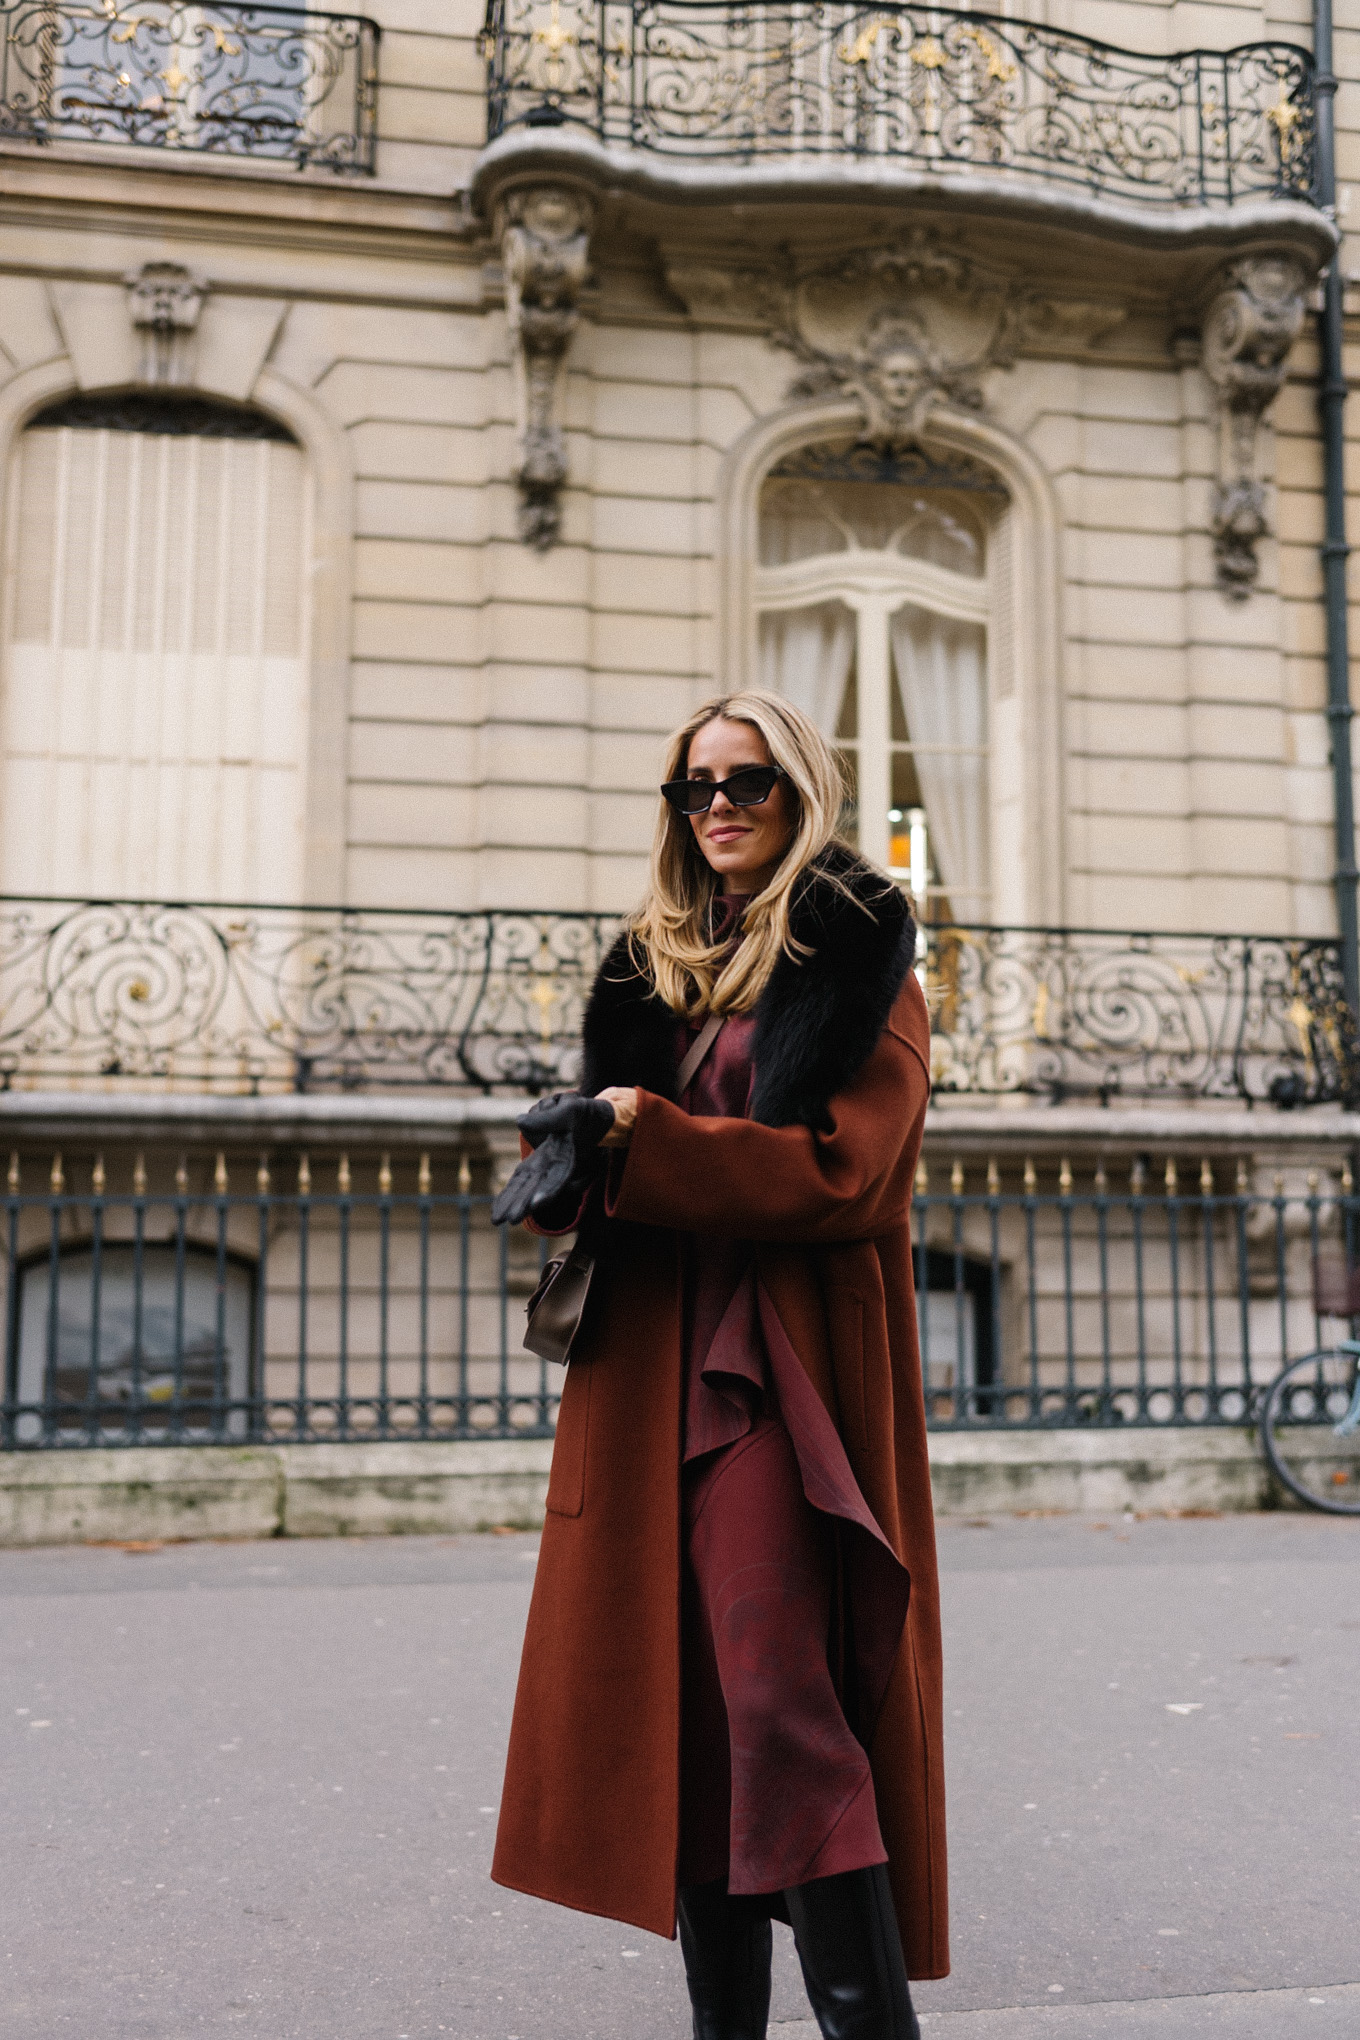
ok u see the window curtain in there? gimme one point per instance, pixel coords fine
(942, 672)
(152, 727)
(806, 654)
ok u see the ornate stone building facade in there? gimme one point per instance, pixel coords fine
(405, 422)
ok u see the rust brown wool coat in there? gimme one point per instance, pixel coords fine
(820, 1179)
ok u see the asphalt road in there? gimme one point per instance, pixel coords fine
(252, 1788)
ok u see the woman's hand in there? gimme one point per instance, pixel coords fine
(624, 1100)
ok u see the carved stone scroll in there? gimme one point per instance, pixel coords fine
(901, 328)
(164, 301)
(545, 252)
(1251, 322)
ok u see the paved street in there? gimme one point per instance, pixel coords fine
(251, 1788)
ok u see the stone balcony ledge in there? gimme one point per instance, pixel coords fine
(648, 187)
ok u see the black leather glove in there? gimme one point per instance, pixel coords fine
(564, 1132)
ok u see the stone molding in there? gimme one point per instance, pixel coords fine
(634, 178)
(899, 328)
(544, 234)
(164, 302)
(1250, 323)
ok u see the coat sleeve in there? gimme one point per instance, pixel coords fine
(787, 1183)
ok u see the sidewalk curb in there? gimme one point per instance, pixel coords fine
(439, 1487)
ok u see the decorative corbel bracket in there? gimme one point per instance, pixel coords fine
(164, 301)
(1251, 321)
(544, 232)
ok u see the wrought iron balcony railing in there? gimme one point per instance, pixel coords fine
(723, 80)
(276, 999)
(203, 75)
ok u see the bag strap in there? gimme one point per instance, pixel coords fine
(698, 1049)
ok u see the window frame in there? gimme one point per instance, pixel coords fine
(875, 586)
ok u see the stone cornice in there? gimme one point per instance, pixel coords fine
(233, 204)
(647, 192)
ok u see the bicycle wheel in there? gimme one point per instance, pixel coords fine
(1310, 1428)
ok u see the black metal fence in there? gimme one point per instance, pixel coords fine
(379, 1303)
(205, 75)
(269, 999)
(722, 80)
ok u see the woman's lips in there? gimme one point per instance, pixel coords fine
(728, 835)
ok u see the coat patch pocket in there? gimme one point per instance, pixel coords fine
(567, 1481)
(845, 1321)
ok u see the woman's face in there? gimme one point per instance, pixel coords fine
(745, 845)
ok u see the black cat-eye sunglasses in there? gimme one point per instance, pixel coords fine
(747, 788)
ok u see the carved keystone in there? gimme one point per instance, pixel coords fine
(545, 251)
(164, 301)
(1250, 324)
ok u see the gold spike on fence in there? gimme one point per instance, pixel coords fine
(14, 1175)
(423, 1176)
(220, 1175)
(139, 1176)
(385, 1176)
(956, 1179)
(56, 1180)
(304, 1177)
(342, 1176)
(1206, 1179)
(97, 1177)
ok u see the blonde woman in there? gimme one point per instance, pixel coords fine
(729, 1701)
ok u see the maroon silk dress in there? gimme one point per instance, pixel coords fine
(793, 1603)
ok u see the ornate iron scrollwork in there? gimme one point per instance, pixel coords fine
(721, 81)
(270, 999)
(192, 74)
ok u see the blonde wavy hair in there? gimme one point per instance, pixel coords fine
(672, 927)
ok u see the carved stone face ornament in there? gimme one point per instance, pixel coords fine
(1250, 323)
(545, 253)
(164, 301)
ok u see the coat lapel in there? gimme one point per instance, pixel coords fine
(817, 1020)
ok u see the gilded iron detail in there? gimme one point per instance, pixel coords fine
(267, 1000)
(718, 80)
(206, 75)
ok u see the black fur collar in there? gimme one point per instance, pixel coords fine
(817, 1020)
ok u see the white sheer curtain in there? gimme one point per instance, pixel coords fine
(806, 654)
(942, 671)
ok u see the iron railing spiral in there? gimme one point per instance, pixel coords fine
(724, 80)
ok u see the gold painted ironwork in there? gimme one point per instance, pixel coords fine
(208, 75)
(722, 80)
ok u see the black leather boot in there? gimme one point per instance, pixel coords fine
(726, 1945)
(846, 1932)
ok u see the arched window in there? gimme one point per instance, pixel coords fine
(873, 598)
(153, 721)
